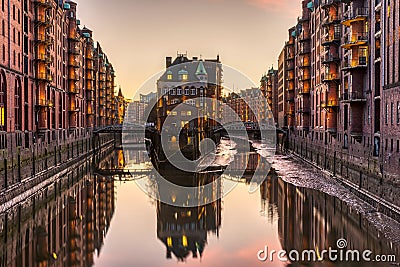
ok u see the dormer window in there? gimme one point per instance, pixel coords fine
(183, 75)
(169, 75)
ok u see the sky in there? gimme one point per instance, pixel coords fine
(137, 35)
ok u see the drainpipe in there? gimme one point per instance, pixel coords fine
(9, 35)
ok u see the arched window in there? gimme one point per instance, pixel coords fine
(3, 101)
(18, 105)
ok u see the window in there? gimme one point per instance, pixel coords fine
(186, 91)
(392, 113)
(387, 114)
(173, 92)
(3, 101)
(179, 91)
(169, 75)
(184, 77)
(18, 105)
(193, 91)
(3, 28)
(398, 112)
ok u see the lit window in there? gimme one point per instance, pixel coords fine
(184, 77)
(169, 76)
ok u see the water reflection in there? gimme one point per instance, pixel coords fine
(63, 225)
(310, 219)
(66, 223)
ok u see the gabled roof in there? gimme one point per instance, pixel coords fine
(201, 70)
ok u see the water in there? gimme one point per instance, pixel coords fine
(88, 219)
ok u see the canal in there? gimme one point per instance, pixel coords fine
(91, 218)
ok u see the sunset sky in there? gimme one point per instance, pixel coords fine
(137, 35)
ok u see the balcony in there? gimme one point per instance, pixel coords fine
(44, 77)
(74, 37)
(330, 104)
(74, 64)
(89, 65)
(329, 20)
(45, 103)
(359, 14)
(290, 56)
(355, 63)
(304, 37)
(44, 20)
(305, 77)
(74, 50)
(328, 3)
(331, 39)
(43, 57)
(45, 3)
(353, 97)
(330, 57)
(74, 77)
(74, 90)
(355, 39)
(304, 91)
(44, 38)
(304, 50)
(330, 77)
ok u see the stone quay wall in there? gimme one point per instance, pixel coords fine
(27, 161)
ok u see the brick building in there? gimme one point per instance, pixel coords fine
(342, 84)
(53, 75)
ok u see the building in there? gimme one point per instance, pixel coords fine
(53, 75)
(342, 88)
(136, 112)
(187, 94)
(269, 88)
(148, 98)
(282, 101)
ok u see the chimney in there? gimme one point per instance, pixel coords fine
(168, 61)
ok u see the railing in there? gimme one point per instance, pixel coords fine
(45, 103)
(304, 50)
(46, 3)
(304, 91)
(330, 77)
(355, 38)
(325, 3)
(355, 63)
(330, 20)
(330, 57)
(330, 38)
(45, 77)
(43, 57)
(44, 19)
(304, 77)
(353, 96)
(358, 12)
(329, 104)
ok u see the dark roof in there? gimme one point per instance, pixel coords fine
(182, 63)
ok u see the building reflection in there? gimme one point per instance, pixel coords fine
(62, 225)
(184, 230)
(310, 219)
